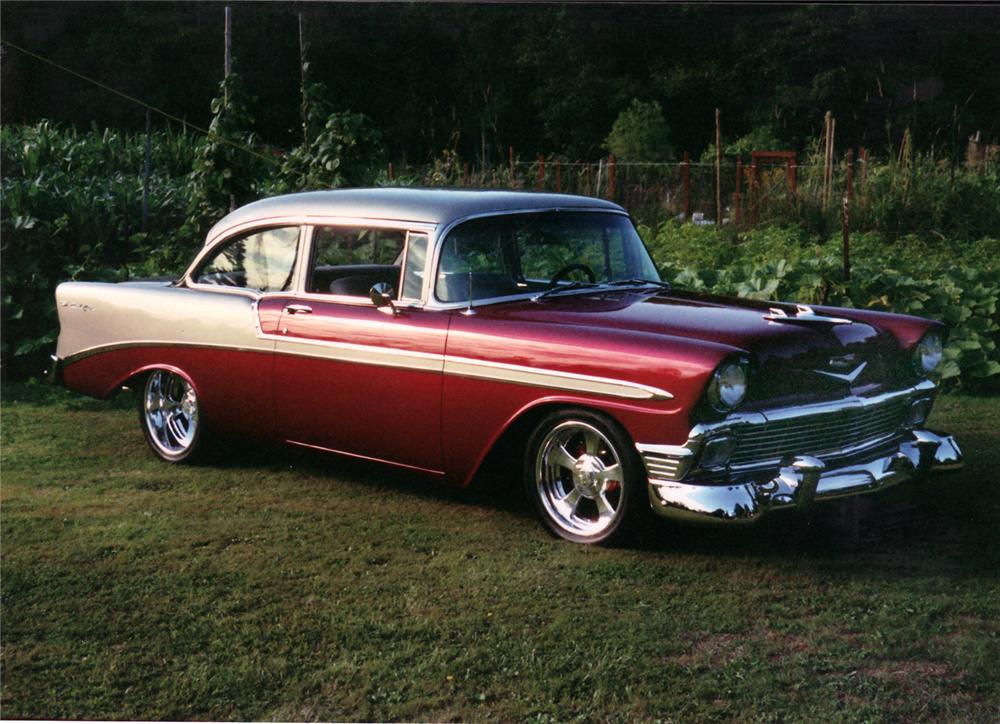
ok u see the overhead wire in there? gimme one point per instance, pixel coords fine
(139, 102)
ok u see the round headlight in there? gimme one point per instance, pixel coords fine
(728, 386)
(928, 354)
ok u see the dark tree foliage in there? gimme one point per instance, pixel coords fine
(476, 79)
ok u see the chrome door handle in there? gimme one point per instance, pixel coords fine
(298, 309)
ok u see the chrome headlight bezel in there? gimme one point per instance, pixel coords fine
(728, 387)
(928, 354)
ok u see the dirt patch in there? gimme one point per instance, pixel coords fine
(912, 673)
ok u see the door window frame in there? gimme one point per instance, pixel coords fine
(307, 253)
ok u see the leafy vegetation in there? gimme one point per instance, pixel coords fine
(275, 586)
(72, 209)
(640, 133)
(958, 284)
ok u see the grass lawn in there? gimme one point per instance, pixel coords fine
(309, 587)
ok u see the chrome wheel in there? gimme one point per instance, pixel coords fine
(170, 414)
(579, 481)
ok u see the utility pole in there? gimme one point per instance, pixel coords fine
(228, 60)
(718, 169)
(228, 66)
(302, 67)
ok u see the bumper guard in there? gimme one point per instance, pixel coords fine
(803, 480)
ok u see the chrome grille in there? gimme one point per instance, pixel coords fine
(837, 431)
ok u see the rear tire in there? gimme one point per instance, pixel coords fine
(169, 417)
(584, 477)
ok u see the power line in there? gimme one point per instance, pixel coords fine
(137, 101)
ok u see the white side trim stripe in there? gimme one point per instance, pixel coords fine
(422, 361)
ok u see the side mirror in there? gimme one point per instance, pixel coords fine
(381, 295)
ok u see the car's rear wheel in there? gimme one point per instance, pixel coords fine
(169, 415)
(583, 476)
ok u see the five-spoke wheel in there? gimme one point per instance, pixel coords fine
(581, 475)
(169, 414)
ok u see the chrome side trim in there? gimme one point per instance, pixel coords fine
(569, 381)
(357, 353)
(365, 457)
(102, 348)
(421, 361)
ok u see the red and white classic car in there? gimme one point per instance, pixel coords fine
(420, 327)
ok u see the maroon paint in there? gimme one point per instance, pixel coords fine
(234, 387)
(433, 422)
(385, 413)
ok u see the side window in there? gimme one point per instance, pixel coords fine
(416, 262)
(475, 255)
(262, 260)
(347, 261)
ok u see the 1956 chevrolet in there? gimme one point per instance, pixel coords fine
(421, 327)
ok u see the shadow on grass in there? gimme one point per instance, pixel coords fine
(949, 527)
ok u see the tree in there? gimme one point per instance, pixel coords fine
(640, 133)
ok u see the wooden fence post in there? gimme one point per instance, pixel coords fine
(824, 194)
(737, 194)
(846, 227)
(390, 172)
(510, 157)
(850, 174)
(558, 176)
(147, 160)
(612, 177)
(465, 173)
(863, 157)
(686, 179)
(540, 179)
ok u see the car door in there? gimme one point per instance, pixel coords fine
(352, 377)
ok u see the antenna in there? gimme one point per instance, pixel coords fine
(469, 311)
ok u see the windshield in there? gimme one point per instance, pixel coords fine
(531, 253)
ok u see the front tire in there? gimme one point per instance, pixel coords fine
(584, 477)
(169, 415)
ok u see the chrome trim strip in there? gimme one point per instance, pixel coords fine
(357, 353)
(319, 220)
(421, 361)
(365, 457)
(114, 346)
(570, 381)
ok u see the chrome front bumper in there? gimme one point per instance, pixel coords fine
(803, 480)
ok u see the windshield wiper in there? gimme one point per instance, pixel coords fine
(636, 282)
(565, 288)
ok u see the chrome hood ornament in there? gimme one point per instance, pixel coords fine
(803, 315)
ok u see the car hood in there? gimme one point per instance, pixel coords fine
(789, 358)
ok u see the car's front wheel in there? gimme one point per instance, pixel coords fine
(169, 415)
(584, 478)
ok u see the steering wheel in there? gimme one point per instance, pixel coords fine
(569, 268)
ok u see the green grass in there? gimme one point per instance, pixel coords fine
(279, 586)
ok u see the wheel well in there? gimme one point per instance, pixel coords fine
(512, 441)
